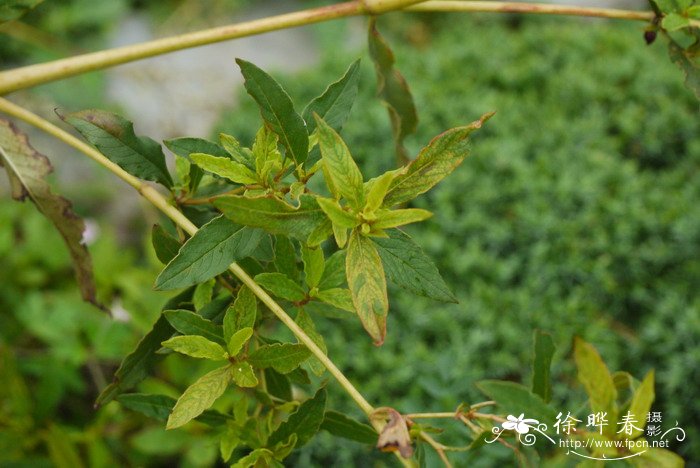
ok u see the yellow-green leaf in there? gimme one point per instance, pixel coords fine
(339, 167)
(199, 396)
(224, 167)
(337, 297)
(394, 218)
(442, 155)
(376, 190)
(241, 314)
(596, 379)
(367, 285)
(244, 375)
(280, 285)
(196, 346)
(337, 214)
(238, 340)
(307, 324)
(641, 403)
(313, 264)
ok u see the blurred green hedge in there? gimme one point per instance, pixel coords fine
(578, 212)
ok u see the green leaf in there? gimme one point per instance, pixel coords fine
(203, 293)
(689, 63)
(674, 22)
(136, 365)
(10, 10)
(641, 403)
(236, 151)
(189, 323)
(224, 167)
(238, 340)
(334, 271)
(283, 449)
(392, 218)
(208, 253)
(273, 215)
(27, 171)
(286, 257)
(335, 103)
(307, 324)
(115, 138)
(258, 457)
(304, 422)
(185, 146)
(280, 285)
(337, 297)
(229, 441)
(278, 385)
(346, 427)
(337, 214)
(434, 162)
(407, 266)
(160, 406)
(165, 245)
(367, 285)
(241, 314)
(62, 450)
(277, 110)
(199, 396)
(541, 372)
(196, 346)
(268, 160)
(392, 88)
(596, 378)
(376, 190)
(343, 177)
(656, 457)
(244, 375)
(313, 264)
(516, 399)
(283, 357)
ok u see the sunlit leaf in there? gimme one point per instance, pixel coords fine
(196, 346)
(199, 396)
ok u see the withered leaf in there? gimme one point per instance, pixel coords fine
(394, 437)
(27, 170)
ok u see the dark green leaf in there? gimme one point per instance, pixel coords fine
(343, 426)
(407, 266)
(393, 89)
(165, 245)
(159, 407)
(199, 396)
(281, 286)
(12, 9)
(367, 285)
(135, 366)
(434, 162)
(313, 264)
(278, 385)
(27, 171)
(335, 103)
(208, 253)
(277, 110)
(541, 379)
(283, 357)
(516, 399)
(305, 422)
(114, 137)
(286, 257)
(273, 215)
(307, 324)
(189, 323)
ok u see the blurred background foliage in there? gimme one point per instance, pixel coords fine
(578, 213)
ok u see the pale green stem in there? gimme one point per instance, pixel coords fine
(32, 75)
(160, 202)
